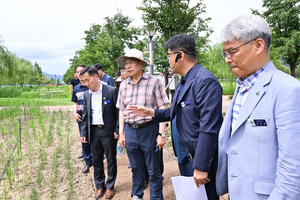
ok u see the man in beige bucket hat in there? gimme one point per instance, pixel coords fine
(132, 53)
(144, 138)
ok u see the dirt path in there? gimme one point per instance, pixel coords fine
(84, 184)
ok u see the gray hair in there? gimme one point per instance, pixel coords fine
(246, 28)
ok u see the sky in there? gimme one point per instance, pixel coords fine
(50, 32)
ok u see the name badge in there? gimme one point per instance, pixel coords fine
(185, 103)
(257, 122)
(107, 102)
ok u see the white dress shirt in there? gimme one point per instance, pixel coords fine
(97, 116)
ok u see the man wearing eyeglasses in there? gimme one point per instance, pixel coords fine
(259, 156)
(195, 114)
(141, 136)
(100, 127)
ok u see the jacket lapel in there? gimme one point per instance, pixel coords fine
(89, 106)
(189, 81)
(226, 125)
(255, 95)
(174, 100)
(104, 97)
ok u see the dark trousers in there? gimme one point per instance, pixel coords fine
(211, 190)
(86, 149)
(161, 166)
(141, 146)
(100, 141)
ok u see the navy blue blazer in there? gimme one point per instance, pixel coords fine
(198, 123)
(109, 111)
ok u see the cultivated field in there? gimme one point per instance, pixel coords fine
(45, 165)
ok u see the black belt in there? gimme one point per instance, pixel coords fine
(99, 126)
(141, 125)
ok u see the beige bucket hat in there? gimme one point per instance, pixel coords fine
(131, 53)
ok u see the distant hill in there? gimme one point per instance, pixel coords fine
(49, 76)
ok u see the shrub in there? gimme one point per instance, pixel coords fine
(10, 92)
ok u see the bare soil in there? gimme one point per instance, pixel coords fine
(83, 184)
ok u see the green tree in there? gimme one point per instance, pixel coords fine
(170, 18)
(216, 64)
(283, 18)
(39, 77)
(121, 35)
(104, 44)
(3, 56)
(6, 60)
(23, 70)
(52, 80)
(75, 61)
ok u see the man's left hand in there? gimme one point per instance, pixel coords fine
(160, 141)
(116, 136)
(200, 177)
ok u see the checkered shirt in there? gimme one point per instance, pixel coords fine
(245, 86)
(148, 91)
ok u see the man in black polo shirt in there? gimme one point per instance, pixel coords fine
(74, 81)
(77, 98)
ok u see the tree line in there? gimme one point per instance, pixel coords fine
(19, 71)
(104, 43)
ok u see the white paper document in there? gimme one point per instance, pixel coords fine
(185, 188)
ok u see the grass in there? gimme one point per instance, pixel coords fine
(228, 87)
(36, 101)
(48, 96)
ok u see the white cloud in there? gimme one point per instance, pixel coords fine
(49, 32)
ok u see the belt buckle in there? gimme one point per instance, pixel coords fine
(134, 125)
(100, 126)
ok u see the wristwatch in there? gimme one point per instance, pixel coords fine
(162, 134)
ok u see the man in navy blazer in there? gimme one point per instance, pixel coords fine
(100, 128)
(259, 156)
(196, 110)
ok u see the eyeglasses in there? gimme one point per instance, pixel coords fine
(228, 54)
(129, 63)
(168, 54)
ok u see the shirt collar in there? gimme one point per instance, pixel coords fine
(100, 89)
(144, 76)
(185, 78)
(102, 76)
(250, 81)
(81, 85)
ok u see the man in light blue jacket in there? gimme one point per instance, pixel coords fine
(259, 141)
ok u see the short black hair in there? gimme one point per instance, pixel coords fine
(121, 67)
(78, 66)
(98, 66)
(91, 70)
(182, 42)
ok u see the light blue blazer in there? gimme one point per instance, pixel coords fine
(263, 162)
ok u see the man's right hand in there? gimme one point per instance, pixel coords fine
(122, 140)
(140, 111)
(83, 140)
